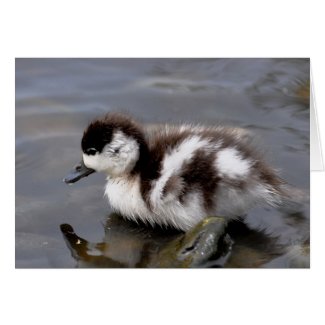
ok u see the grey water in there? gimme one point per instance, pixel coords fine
(57, 98)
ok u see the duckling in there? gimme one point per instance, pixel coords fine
(176, 175)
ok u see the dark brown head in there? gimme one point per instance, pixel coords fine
(111, 144)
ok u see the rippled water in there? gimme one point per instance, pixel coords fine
(56, 98)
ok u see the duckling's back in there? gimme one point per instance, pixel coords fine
(203, 171)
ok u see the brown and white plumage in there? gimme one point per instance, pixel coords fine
(177, 175)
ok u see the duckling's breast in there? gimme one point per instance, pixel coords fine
(125, 197)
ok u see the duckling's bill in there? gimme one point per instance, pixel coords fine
(78, 172)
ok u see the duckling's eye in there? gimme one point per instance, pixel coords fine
(116, 150)
(91, 151)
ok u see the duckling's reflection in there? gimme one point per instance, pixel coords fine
(212, 243)
(127, 244)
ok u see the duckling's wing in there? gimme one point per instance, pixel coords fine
(173, 189)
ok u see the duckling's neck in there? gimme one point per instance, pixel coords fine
(144, 159)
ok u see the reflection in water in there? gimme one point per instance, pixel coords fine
(212, 243)
(127, 244)
(55, 100)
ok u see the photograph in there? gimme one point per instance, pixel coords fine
(162, 163)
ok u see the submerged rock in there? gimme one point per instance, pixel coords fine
(194, 248)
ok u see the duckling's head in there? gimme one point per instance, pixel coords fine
(111, 144)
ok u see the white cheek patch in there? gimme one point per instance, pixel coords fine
(93, 161)
(127, 156)
(117, 157)
(120, 140)
(230, 163)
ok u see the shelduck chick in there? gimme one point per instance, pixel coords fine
(176, 175)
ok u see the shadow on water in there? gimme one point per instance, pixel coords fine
(56, 99)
